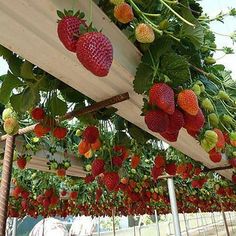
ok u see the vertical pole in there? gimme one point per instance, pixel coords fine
(186, 226)
(200, 212)
(157, 224)
(113, 222)
(14, 227)
(5, 182)
(174, 209)
(225, 221)
(232, 226)
(214, 221)
(99, 231)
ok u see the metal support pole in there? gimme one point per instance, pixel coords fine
(186, 227)
(232, 226)
(225, 221)
(157, 224)
(214, 221)
(200, 212)
(99, 230)
(14, 227)
(6, 181)
(174, 209)
(113, 222)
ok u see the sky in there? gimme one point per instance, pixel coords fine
(212, 8)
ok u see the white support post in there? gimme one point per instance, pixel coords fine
(14, 225)
(174, 209)
(157, 224)
(203, 226)
(214, 221)
(99, 230)
(186, 225)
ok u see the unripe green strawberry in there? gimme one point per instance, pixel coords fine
(88, 167)
(78, 132)
(196, 89)
(11, 126)
(227, 120)
(8, 113)
(144, 33)
(214, 120)
(54, 165)
(234, 154)
(206, 145)
(204, 49)
(211, 136)
(67, 164)
(209, 61)
(163, 25)
(232, 136)
(212, 77)
(223, 95)
(117, 2)
(207, 105)
(201, 85)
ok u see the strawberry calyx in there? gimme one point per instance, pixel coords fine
(67, 13)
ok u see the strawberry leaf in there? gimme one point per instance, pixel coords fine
(57, 106)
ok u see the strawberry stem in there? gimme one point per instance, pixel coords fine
(90, 11)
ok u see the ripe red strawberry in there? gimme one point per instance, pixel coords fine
(74, 195)
(24, 204)
(17, 191)
(111, 180)
(162, 95)
(194, 123)
(89, 179)
(159, 161)
(215, 156)
(117, 161)
(232, 162)
(46, 202)
(195, 183)
(90, 134)
(135, 160)
(98, 167)
(49, 192)
(68, 30)
(61, 172)
(221, 139)
(54, 200)
(188, 101)
(171, 137)
(63, 193)
(197, 171)
(21, 162)
(25, 194)
(98, 194)
(234, 178)
(38, 113)
(171, 169)
(40, 130)
(121, 151)
(157, 121)
(60, 132)
(176, 121)
(156, 172)
(94, 51)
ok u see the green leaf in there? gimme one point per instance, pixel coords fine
(25, 100)
(176, 68)
(138, 134)
(15, 65)
(27, 71)
(143, 78)
(57, 106)
(9, 83)
(72, 95)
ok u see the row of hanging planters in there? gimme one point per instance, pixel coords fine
(138, 191)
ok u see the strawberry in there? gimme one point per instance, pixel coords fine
(21, 162)
(111, 180)
(156, 172)
(17, 191)
(221, 139)
(121, 151)
(40, 130)
(234, 178)
(83, 147)
(54, 200)
(157, 120)
(162, 95)
(60, 132)
(46, 203)
(123, 13)
(95, 52)
(25, 194)
(135, 160)
(68, 29)
(232, 162)
(61, 172)
(90, 134)
(188, 101)
(117, 161)
(207, 105)
(38, 113)
(144, 33)
(171, 169)
(49, 192)
(98, 166)
(89, 179)
(159, 161)
(176, 121)
(11, 126)
(74, 195)
(171, 137)
(194, 123)
(215, 156)
(63, 193)
(98, 194)
(197, 171)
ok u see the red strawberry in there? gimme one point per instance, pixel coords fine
(98, 167)
(21, 162)
(24, 204)
(40, 130)
(74, 195)
(221, 139)
(188, 101)
(193, 133)
(89, 179)
(215, 156)
(46, 202)
(68, 30)
(195, 183)
(54, 200)
(117, 161)
(121, 151)
(38, 113)
(156, 172)
(162, 96)
(17, 191)
(194, 123)
(111, 180)
(135, 160)
(61, 172)
(157, 121)
(25, 194)
(176, 121)
(49, 192)
(63, 193)
(197, 171)
(98, 194)
(234, 178)
(159, 161)
(171, 169)
(91, 134)
(232, 162)
(171, 137)
(60, 132)
(94, 51)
